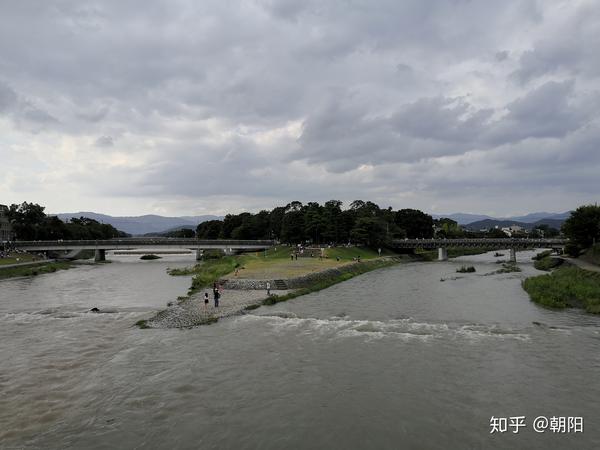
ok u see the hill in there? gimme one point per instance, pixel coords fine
(501, 223)
(139, 225)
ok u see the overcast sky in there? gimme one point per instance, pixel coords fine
(206, 107)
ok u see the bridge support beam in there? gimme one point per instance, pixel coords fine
(442, 254)
(100, 255)
(513, 255)
(199, 254)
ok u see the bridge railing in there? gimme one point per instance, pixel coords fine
(145, 241)
(479, 242)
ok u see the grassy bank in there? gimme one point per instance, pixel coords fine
(16, 258)
(547, 263)
(208, 272)
(567, 287)
(33, 270)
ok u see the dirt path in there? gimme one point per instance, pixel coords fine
(583, 264)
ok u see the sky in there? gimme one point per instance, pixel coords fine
(184, 107)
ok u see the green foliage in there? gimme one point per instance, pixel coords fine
(466, 269)
(183, 271)
(142, 324)
(149, 257)
(547, 263)
(29, 223)
(33, 270)
(210, 229)
(566, 287)
(509, 268)
(542, 255)
(210, 271)
(582, 228)
(448, 228)
(363, 223)
(415, 223)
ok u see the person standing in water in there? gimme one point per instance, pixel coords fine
(205, 299)
(217, 295)
(268, 288)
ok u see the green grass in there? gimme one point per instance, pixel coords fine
(509, 267)
(567, 287)
(547, 263)
(207, 273)
(350, 253)
(542, 255)
(22, 257)
(33, 270)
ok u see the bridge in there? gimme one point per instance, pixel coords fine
(101, 246)
(492, 243)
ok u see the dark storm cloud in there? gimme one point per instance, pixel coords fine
(279, 99)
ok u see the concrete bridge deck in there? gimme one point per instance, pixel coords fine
(102, 245)
(492, 243)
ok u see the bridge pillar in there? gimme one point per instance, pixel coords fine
(513, 255)
(199, 254)
(100, 255)
(442, 254)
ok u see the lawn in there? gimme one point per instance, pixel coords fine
(16, 258)
(276, 262)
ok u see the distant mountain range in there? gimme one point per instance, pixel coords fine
(491, 223)
(532, 218)
(139, 225)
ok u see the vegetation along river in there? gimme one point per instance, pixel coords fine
(395, 358)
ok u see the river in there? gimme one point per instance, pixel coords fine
(395, 358)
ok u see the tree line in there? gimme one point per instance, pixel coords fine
(30, 223)
(363, 223)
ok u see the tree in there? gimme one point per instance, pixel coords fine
(26, 220)
(415, 223)
(582, 228)
(370, 231)
(211, 229)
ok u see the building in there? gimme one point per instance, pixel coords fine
(512, 230)
(6, 233)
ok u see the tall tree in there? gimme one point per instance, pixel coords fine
(582, 228)
(415, 223)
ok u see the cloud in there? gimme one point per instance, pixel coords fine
(105, 141)
(255, 103)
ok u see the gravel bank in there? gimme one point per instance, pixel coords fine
(191, 311)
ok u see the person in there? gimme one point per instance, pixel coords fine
(217, 295)
(205, 299)
(268, 288)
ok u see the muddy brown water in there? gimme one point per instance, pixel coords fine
(394, 358)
